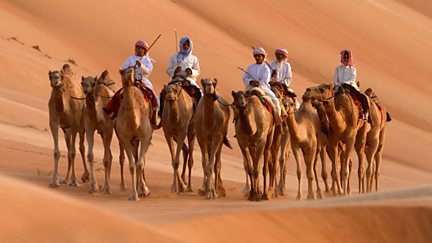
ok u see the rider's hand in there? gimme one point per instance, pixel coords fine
(177, 70)
(254, 83)
(189, 71)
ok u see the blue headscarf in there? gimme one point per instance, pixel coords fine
(184, 53)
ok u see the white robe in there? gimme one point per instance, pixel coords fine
(283, 74)
(261, 73)
(345, 74)
(190, 61)
(141, 73)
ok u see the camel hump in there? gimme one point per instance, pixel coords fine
(227, 142)
(66, 69)
(257, 91)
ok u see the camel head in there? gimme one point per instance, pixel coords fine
(104, 78)
(322, 92)
(172, 91)
(127, 76)
(88, 84)
(56, 79)
(240, 99)
(209, 86)
(290, 106)
(277, 91)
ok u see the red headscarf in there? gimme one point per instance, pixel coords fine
(283, 52)
(350, 59)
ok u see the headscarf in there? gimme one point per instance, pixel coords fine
(185, 53)
(259, 51)
(283, 52)
(350, 60)
(142, 43)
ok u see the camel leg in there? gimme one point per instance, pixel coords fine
(378, 157)
(85, 176)
(309, 156)
(333, 153)
(67, 137)
(90, 159)
(319, 193)
(211, 190)
(204, 162)
(191, 143)
(121, 162)
(324, 173)
(360, 145)
(247, 163)
(176, 163)
(372, 147)
(345, 164)
(144, 144)
(282, 165)
(296, 153)
(185, 152)
(133, 172)
(107, 159)
(54, 132)
(256, 169)
(71, 157)
(218, 167)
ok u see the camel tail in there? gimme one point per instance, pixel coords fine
(388, 117)
(227, 142)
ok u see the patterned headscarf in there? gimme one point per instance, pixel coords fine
(283, 52)
(350, 60)
(259, 51)
(185, 53)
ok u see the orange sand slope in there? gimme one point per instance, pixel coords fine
(392, 45)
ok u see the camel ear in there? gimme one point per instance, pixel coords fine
(82, 78)
(215, 82)
(233, 93)
(121, 71)
(104, 74)
(202, 82)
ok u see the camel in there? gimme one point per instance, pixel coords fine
(177, 124)
(346, 130)
(254, 128)
(211, 126)
(66, 107)
(134, 131)
(98, 95)
(305, 132)
(375, 139)
(281, 141)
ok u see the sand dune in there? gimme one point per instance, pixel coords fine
(391, 41)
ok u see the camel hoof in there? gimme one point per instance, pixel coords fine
(122, 187)
(221, 191)
(201, 192)
(54, 184)
(93, 188)
(107, 190)
(320, 195)
(211, 195)
(265, 197)
(73, 183)
(134, 197)
(189, 188)
(85, 177)
(311, 196)
(246, 189)
(299, 197)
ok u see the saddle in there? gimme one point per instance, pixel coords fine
(369, 92)
(190, 89)
(359, 100)
(287, 92)
(262, 98)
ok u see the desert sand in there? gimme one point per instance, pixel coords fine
(391, 41)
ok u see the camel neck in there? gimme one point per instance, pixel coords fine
(59, 99)
(173, 112)
(293, 126)
(209, 107)
(244, 121)
(334, 116)
(128, 97)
